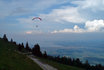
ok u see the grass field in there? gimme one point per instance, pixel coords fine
(11, 60)
(59, 66)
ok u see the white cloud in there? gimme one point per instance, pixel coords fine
(29, 32)
(26, 7)
(94, 5)
(90, 9)
(34, 32)
(76, 29)
(90, 26)
(68, 14)
(84, 11)
(96, 25)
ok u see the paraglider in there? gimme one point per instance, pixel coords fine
(36, 18)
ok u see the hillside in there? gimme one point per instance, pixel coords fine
(11, 60)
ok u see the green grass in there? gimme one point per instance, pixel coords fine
(11, 60)
(58, 65)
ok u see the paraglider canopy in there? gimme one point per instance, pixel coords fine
(36, 18)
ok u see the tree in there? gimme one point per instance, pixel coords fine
(19, 47)
(78, 62)
(22, 45)
(36, 50)
(45, 54)
(11, 40)
(87, 65)
(5, 37)
(99, 67)
(27, 47)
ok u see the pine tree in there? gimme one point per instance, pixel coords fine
(5, 37)
(36, 50)
(78, 62)
(11, 40)
(27, 47)
(87, 65)
(19, 47)
(22, 45)
(45, 54)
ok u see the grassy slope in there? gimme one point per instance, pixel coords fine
(60, 66)
(11, 60)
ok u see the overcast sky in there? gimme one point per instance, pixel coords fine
(58, 17)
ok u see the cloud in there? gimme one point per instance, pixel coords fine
(66, 14)
(90, 26)
(75, 29)
(26, 7)
(34, 32)
(29, 32)
(83, 11)
(90, 9)
(95, 25)
(94, 5)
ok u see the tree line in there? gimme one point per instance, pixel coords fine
(63, 60)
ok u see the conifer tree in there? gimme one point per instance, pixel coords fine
(36, 50)
(19, 47)
(5, 37)
(11, 40)
(45, 54)
(22, 45)
(27, 47)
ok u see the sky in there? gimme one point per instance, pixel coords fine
(59, 17)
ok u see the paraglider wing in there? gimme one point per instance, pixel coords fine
(36, 18)
(40, 18)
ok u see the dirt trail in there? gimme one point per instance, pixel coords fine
(42, 65)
